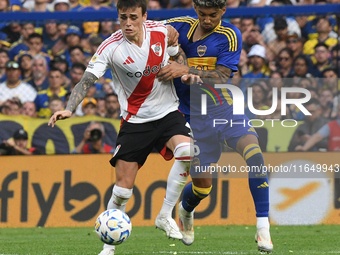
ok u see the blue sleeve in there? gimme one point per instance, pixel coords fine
(324, 131)
(230, 54)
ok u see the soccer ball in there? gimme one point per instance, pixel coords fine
(113, 226)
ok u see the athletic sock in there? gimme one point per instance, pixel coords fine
(258, 179)
(193, 195)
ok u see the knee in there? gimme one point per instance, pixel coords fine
(184, 153)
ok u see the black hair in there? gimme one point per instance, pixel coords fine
(211, 3)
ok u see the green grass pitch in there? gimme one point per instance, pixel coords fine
(293, 240)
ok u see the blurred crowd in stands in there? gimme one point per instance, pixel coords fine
(40, 63)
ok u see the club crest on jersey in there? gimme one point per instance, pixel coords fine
(157, 49)
(201, 50)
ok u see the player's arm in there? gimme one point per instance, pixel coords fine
(220, 75)
(77, 95)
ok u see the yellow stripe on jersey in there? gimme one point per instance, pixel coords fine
(182, 19)
(231, 37)
(192, 29)
(203, 63)
(227, 96)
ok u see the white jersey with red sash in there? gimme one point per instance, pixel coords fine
(141, 96)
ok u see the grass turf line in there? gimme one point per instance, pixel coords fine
(320, 239)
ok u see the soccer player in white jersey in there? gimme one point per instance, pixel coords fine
(149, 107)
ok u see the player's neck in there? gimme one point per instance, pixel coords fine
(199, 33)
(137, 39)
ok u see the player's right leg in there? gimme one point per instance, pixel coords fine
(125, 178)
(193, 193)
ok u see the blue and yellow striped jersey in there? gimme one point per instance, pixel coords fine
(222, 46)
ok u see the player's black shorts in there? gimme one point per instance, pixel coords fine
(136, 141)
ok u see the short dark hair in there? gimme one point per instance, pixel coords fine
(110, 94)
(329, 69)
(321, 44)
(55, 69)
(76, 47)
(312, 101)
(126, 4)
(78, 66)
(4, 51)
(211, 3)
(55, 97)
(35, 35)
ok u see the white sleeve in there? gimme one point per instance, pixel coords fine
(98, 64)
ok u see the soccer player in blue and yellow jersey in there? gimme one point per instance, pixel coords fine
(212, 48)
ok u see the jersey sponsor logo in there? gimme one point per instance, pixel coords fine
(201, 50)
(157, 49)
(147, 71)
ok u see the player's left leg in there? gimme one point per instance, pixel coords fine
(249, 148)
(182, 149)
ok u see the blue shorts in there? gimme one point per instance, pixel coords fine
(217, 127)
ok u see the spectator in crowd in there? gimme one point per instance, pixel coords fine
(93, 140)
(60, 63)
(25, 63)
(285, 61)
(276, 80)
(14, 86)
(55, 104)
(107, 87)
(3, 60)
(101, 109)
(327, 104)
(257, 58)
(77, 55)
(39, 79)
(311, 124)
(154, 5)
(61, 5)
(35, 46)
(72, 39)
(50, 35)
(252, 37)
(331, 131)
(75, 5)
(29, 109)
(17, 146)
(268, 32)
(12, 107)
(92, 27)
(259, 95)
(60, 45)
(105, 29)
(300, 67)
(294, 43)
(322, 57)
(76, 72)
(243, 63)
(330, 80)
(55, 79)
(4, 41)
(89, 106)
(95, 41)
(323, 28)
(236, 22)
(22, 44)
(184, 4)
(40, 6)
(112, 106)
(335, 54)
(274, 47)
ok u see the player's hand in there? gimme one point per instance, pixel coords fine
(191, 79)
(59, 115)
(171, 71)
(172, 35)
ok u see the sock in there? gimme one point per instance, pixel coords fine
(118, 200)
(262, 222)
(258, 179)
(192, 196)
(177, 177)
